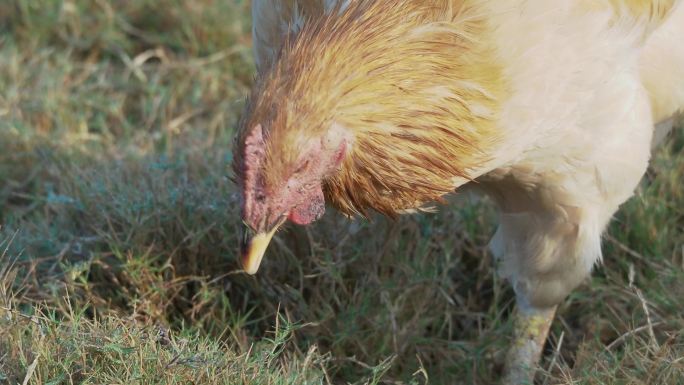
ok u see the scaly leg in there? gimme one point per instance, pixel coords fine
(531, 329)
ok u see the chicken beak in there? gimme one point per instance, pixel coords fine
(253, 247)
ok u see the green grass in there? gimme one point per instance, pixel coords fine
(118, 238)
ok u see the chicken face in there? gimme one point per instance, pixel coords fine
(281, 183)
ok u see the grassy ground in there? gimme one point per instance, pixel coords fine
(117, 245)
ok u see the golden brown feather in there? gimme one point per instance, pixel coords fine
(406, 152)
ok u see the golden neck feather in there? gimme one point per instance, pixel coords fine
(417, 84)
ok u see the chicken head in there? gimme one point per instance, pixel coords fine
(282, 182)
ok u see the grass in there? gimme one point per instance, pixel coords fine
(118, 237)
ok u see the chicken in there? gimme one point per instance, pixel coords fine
(386, 106)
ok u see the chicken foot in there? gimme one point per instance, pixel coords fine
(531, 327)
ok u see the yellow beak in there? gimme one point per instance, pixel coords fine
(253, 249)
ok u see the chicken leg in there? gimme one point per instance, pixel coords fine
(531, 329)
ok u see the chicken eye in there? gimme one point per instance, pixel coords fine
(302, 167)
